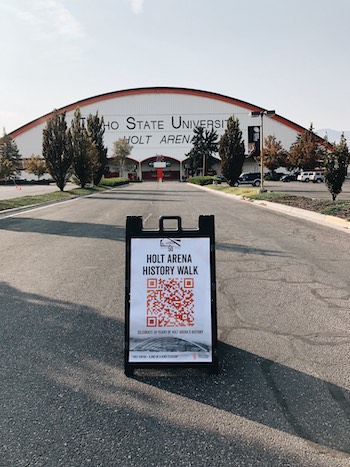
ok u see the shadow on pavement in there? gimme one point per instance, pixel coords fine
(133, 199)
(66, 401)
(104, 231)
(247, 249)
(64, 228)
(272, 394)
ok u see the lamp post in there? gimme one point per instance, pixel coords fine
(261, 114)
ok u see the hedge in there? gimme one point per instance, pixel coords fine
(114, 181)
(207, 180)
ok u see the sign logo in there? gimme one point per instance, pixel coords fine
(170, 243)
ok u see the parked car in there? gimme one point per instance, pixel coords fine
(304, 177)
(312, 175)
(219, 179)
(249, 178)
(273, 176)
(316, 177)
(289, 178)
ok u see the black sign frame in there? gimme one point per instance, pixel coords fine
(135, 230)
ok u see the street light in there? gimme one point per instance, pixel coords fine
(261, 114)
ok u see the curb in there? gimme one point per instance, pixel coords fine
(322, 219)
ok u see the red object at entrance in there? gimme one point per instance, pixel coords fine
(167, 175)
(160, 175)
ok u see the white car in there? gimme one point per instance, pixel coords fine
(316, 177)
(313, 176)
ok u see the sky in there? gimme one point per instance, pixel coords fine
(287, 56)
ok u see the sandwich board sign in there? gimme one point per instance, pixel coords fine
(170, 295)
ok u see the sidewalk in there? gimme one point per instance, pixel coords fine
(12, 191)
(329, 221)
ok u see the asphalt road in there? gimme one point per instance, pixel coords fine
(312, 190)
(281, 397)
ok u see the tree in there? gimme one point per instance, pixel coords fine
(193, 161)
(57, 149)
(80, 150)
(335, 164)
(307, 151)
(9, 156)
(7, 168)
(35, 165)
(121, 150)
(232, 151)
(204, 145)
(274, 154)
(95, 163)
(97, 150)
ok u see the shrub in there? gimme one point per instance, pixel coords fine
(114, 181)
(201, 180)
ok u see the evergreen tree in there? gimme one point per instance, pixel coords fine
(232, 151)
(335, 164)
(193, 161)
(98, 152)
(204, 145)
(306, 152)
(57, 149)
(80, 150)
(9, 152)
(95, 162)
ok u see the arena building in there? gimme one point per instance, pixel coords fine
(158, 122)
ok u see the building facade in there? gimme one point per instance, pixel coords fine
(158, 123)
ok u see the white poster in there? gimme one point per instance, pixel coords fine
(170, 300)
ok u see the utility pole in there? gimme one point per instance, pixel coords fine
(262, 114)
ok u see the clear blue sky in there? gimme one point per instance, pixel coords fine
(289, 56)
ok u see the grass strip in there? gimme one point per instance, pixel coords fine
(239, 191)
(322, 206)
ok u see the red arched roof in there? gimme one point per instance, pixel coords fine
(155, 90)
(158, 156)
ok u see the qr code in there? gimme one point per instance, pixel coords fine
(170, 302)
